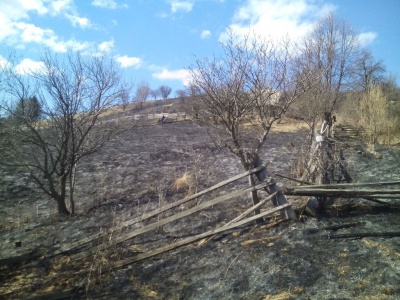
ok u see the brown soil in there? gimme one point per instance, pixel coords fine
(273, 260)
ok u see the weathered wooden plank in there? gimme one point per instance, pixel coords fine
(153, 213)
(151, 253)
(339, 192)
(250, 210)
(361, 235)
(244, 214)
(333, 227)
(123, 237)
(349, 185)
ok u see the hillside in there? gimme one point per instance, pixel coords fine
(136, 173)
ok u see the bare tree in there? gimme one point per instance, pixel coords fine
(124, 99)
(332, 50)
(310, 107)
(165, 91)
(254, 82)
(73, 94)
(183, 97)
(155, 94)
(142, 93)
(181, 94)
(390, 88)
(368, 71)
(314, 101)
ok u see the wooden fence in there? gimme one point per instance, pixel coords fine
(95, 243)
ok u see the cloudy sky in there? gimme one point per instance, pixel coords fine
(156, 40)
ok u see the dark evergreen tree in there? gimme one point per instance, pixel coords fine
(27, 110)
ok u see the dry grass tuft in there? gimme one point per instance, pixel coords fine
(280, 296)
(289, 125)
(182, 182)
(284, 125)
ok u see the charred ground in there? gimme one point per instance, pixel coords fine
(273, 260)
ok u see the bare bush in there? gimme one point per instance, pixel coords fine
(375, 116)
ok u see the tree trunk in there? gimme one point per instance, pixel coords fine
(72, 189)
(72, 202)
(280, 198)
(252, 160)
(62, 208)
(253, 194)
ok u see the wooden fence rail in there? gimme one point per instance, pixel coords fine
(189, 240)
(123, 237)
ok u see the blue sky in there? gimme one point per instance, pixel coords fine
(157, 40)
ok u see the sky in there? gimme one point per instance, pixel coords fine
(155, 41)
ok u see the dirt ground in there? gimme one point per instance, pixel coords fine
(136, 173)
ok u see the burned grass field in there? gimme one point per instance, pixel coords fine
(334, 256)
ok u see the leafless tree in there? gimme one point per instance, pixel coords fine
(142, 93)
(332, 50)
(73, 93)
(368, 71)
(314, 101)
(181, 94)
(165, 91)
(124, 99)
(155, 94)
(253, 83)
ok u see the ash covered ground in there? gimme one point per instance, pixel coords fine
(272, 260)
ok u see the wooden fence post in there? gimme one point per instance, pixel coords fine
(272, 188)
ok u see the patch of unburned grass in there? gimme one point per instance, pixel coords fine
(289, 125)
(285, 125)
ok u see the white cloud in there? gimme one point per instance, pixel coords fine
(127, 61)
(77, 21)
(367, 38)
(27, 66)
(185, 6)
(277, 18)
(182, 75)
(4, 63)
(30, 33)
(205, 34)
(106, 46)
(111, 4)
(59, 6)
(17, 31)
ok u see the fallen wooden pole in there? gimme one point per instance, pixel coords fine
(151, 253)
(333, 227)
(372, 199)
(361, 235)
(123, 237)
(338, 192)
(349, 185)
